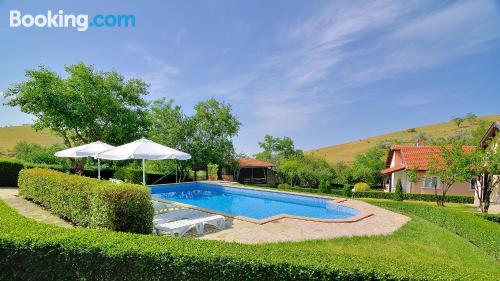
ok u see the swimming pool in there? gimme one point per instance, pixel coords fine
(252, 203)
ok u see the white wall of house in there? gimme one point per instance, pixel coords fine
(404, 180)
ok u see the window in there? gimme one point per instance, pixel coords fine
(431, 182)
(473, 184)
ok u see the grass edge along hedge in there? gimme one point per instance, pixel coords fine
(30, 250)
(89, 202)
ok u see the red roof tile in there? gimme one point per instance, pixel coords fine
(253, 163)
(418, 156)
(393, 169)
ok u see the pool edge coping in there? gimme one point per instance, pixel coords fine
(338, 201)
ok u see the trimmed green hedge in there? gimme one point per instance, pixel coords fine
(491, 217)
(89, 202)
(9, 172)
(478, 231)
(414, 196)
(129, 175)
(34, 251)
(389, 195)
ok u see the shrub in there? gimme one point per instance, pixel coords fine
(305, 171)
(324, 186)
(129, 175)
(89, 202)
(34, 251)
(212, 171)
(414, 196)
(490, 217)
(347, 191)
(398, 194)
(37, 154)
(361, 186)
(9, 172)
(284, 186)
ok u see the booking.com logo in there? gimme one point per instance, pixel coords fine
(60, 20)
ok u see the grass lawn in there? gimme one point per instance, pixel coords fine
(10, 136)
(438, 243)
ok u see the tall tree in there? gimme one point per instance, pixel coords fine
(214, 126)
(86, 106)
(367, 166)
(451, 165)
(171, 127)
(276, 147)
(458, 121)
(487, 171)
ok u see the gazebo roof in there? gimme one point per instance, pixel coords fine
(253, 163)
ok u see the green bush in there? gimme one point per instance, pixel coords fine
(347, 191)
(414, 196)
(129, 175)
(9, 172)
(212, 170)
(35, 153)
(284, 186)
(324, 186)
(361, 186)
(491, 217)
(398, 194)
(30, 250)
(89, 202)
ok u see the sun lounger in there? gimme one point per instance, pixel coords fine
(161, 207)
(181, 221)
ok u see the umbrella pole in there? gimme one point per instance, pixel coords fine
(98, 168)
(143, 172)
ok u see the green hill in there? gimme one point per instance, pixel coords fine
(11, 135)
(347, 151)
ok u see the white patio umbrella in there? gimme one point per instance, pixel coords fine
(86, 150)
(143, 149)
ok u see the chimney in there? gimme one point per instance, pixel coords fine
(420, 142)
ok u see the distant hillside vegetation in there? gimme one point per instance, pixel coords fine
(11, 135)
(347, 151)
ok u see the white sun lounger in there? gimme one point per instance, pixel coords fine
(181, 221)
(161, 207)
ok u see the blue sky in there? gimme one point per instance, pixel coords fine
(321, 72)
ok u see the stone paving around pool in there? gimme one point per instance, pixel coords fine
(382, 222)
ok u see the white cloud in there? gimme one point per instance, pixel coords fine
(428, 41)
(347, 44)
(160, 77)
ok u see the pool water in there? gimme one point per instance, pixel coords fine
(255, 204)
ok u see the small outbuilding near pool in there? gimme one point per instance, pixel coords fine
(254, 171)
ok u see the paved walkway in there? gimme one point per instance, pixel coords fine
(28, 209)
(382, 222)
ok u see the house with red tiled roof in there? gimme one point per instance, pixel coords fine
(402, 158)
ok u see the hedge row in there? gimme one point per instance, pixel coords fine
(414, 196)
(89, 202)
(10, 168)
(9, 172)
(389, 195)
(35, 251)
